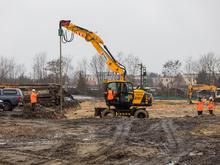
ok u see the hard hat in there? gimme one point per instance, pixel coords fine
(33, 90)
(210, 98)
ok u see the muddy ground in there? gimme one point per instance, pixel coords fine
(172, 135)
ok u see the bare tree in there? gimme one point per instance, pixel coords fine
(39, 65)
(191, 67)
(212, 66)
(209, 64)
(67, 68)
(19, 70)
(53, 69)
(101, 72)
(218, 64)
(188, 65)
(171, 69)
(202, 77)
(83, 67)
(81, 83)
(99, 69)
(79, 76)
(6, 68)
(131, 63)
(19, 74)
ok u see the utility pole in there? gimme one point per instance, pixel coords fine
(144, 76)
(61, 83)
(141, 75)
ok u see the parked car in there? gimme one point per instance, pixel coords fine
(11, 98)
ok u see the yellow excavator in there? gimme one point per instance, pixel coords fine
(198, 87)
(127, 100)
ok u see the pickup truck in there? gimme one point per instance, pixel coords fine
(11, 98)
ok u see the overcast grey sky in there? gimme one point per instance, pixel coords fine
(153, 30)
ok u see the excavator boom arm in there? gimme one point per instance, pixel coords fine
(192, 88)
(98, 44)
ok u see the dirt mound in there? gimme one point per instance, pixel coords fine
(44, 113)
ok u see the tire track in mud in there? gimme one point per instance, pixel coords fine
(97, 141)
(28, 154)
(121, 132)
(174, 147)
(169, 129)
(31, 156)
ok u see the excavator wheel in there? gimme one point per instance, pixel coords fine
(141, 114)
(108, 113)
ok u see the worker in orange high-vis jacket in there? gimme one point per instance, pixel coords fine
(33, 99)
(211, 105)
(110, 96)
(200, 104)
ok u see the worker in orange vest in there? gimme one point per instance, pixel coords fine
(110, 96)
(33, 99)
(211, 105)
(200, 104)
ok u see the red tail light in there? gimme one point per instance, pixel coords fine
(19, 98)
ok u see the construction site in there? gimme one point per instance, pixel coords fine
(81, 102)
(173, 134)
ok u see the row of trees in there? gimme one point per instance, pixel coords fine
(47, 71)
(43, 71)
(207, 67)
(10, 72)
(206, 70)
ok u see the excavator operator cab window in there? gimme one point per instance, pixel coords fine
(124, 88)
(115, 87)
(120, 87)
(126, 92)
(123, 92)
(129, 87)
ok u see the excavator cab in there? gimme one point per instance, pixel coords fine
(123, 94)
